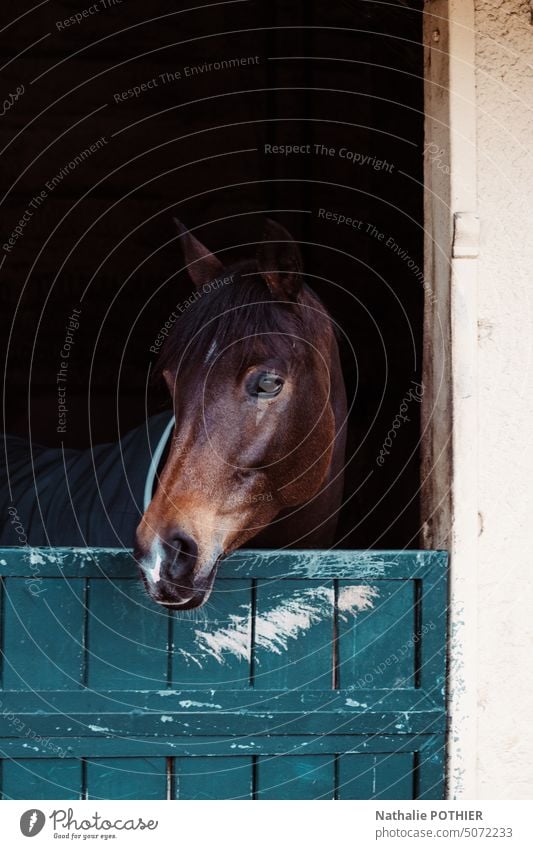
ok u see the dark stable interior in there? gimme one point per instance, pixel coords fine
(189, 113)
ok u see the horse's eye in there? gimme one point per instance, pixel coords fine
(268, 385)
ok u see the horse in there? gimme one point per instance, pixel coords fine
(252, 453)
(258, 444)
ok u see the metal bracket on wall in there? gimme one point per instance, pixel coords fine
(465, 235)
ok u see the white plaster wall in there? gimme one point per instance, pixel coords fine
(504, 103)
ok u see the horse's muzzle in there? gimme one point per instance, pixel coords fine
(172, 573)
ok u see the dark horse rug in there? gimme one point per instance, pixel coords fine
(89, 497)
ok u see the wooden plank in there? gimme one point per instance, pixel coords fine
(295, 777)
(394, 776)
(127, 637)
(234, 723)
(67, 562)
(189, 702)
(139, 745)
(431, 771)
(43, 633)
(213, 778)
(293, 628)
(244, 712)
(384, 776)
(41, 778)
(216, 652)
(433, 635)
(245, 563)
(376, 644)
(355, 776)
(338, 563)
(126, 778)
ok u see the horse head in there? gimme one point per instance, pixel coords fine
(249, 367)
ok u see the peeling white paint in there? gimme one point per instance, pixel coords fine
(284, 622)
(314, 564)
(165, 718)
(235, 640)
(36, 559)
(97, 728)
(356, 598)
(41, 556)
(354, 703)
(188, 657)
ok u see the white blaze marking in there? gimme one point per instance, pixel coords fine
(152, 562)
(156, 571)
(262, 407)
(211, 351)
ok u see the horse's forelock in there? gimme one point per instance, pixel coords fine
(237, 307)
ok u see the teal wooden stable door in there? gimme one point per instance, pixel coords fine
(309, 675)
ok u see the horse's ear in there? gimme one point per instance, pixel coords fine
(202, 265)
(280, 262)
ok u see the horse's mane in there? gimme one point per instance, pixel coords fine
(242, 310)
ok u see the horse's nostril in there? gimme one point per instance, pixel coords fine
(182, 552)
